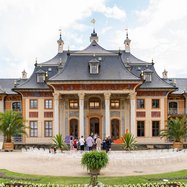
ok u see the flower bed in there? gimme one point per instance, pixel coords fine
(21, 184)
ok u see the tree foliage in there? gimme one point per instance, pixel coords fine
(94, 160)
(176, 129)
(11, 124)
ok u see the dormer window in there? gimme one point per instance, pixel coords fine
(94, 69)
(147, 75)
(40, 78)
(94, 66)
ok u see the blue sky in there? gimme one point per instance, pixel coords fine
(29, 30)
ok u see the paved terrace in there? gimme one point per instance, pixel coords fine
(121, 163)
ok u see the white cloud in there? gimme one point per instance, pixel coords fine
(28, 29)
(161, 34)
(113, 12)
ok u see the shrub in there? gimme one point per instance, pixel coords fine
(129, 142)
(94, 160)
(59, 142)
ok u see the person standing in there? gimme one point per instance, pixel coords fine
(82, 142)
(108, 144)
(104, 144)
(89, 142)
(75, 143)
(71, 143)
(98, 143)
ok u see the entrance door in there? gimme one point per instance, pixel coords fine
(74, 128)
(115, 129)
(94, 126)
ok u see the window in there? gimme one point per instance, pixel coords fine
(115, 103)
(94, 69)
(48, 103)
(173, 107)
(140, 103)
(40, 78)
(155, 128)
(147, 77)
(94, 103)
(73, 104)
(48, 129)
(155, 103)
(140, 128)
(33, 103)
(94, 66)
(16, 106)
(33, 128)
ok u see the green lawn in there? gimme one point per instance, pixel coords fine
(105, 180)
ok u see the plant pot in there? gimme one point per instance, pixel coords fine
(95, 171)
(8, 146)
(178, 145)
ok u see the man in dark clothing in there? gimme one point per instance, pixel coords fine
(108, 144)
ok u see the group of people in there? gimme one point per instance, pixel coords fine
(90, 143)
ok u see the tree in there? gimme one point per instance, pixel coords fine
(94, 161)
(176, 130)
(11, 124)
(129, 142)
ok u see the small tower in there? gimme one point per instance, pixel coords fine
(60, 43)
(93, 36)
(127, 42)
(24, 74)
(164, 74)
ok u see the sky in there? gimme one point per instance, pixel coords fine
(29, 29)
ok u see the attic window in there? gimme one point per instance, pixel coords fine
(94, 68)
(147, 77)
(40, 78)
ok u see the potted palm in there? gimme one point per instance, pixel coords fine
(11, 124)
(176, 131)
(129, 142)
(94, 161)
(59, 143)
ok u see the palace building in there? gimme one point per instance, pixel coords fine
(94, 90)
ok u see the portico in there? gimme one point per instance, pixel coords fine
(103, 112)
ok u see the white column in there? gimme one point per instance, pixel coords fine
(185, 95)
(107, 114)
(56, 114)
(81, 114)
(133, 114)
(2, 103)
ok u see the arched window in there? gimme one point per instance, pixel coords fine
(74, 128)
(115, 129)
(173, 107)
(16, 106)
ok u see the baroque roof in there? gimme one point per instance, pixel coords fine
(180, 83)
(114, 65)
(6, 85)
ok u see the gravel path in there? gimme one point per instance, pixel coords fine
(120, 164)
